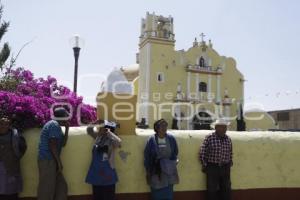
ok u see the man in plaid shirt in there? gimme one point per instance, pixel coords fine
(216, 159)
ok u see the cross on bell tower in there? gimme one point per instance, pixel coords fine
(202, 37)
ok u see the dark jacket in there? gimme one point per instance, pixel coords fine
(150, 152)
(13, 147)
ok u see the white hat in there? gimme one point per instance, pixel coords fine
(110, 124)
(220, 121)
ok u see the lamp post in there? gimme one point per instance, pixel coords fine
(76, 43)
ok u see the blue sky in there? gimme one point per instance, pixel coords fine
(262, 35)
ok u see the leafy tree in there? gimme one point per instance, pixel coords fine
(5, 51)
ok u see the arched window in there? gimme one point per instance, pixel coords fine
(202, 87)
(202, 62)
(202, 121)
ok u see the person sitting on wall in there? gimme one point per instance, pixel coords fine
(52, 184)
(12, 148)
(160, 161)
(102, 174)
(216, 159)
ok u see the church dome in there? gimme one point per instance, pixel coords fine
(131, 71)
(117, 83)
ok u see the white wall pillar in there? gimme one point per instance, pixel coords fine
(209, 86)
(227, 111)
(144, 92)
(178, 114)
(154, 25)
(188, 85)
(188, 92)
(188, 121)
(218, 95)
(197, 86)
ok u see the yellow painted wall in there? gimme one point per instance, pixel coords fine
(232, 80)
(164, 58)
(120, 108)
(135, 86)
(261, 160)
(259, 120)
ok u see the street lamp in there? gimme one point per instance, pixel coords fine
(76, 43)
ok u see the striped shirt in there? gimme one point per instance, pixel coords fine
(50, 130)
(216, 149)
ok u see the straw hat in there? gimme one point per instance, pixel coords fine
(220, 122)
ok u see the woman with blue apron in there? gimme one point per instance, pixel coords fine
(160, 161)
(102, 174)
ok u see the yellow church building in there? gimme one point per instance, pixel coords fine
(189, 88)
